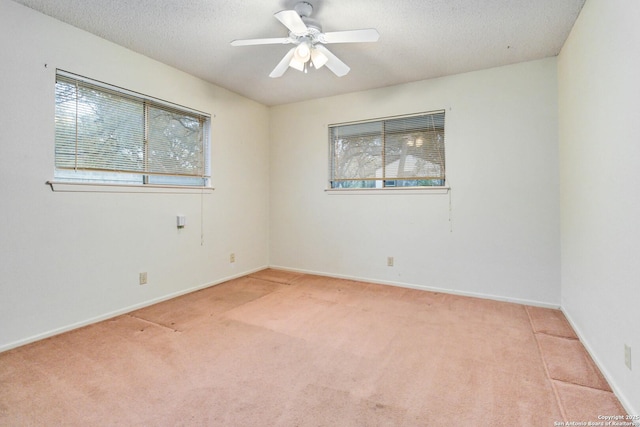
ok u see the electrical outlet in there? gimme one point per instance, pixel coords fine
(143, 278)
(232, 258)
(627, 356)
(389, 261)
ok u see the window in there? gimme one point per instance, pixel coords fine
(105, 134)
(396, 152)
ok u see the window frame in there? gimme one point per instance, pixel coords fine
(385, 183)
(145, 180)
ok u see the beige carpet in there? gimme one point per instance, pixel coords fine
(284, 349)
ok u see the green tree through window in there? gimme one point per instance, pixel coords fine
(106, 134)
(397, 152)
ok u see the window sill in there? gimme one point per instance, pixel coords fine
(83, 187)
(395, 191)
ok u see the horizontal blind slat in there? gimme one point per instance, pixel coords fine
(409, 149)
(100, 135)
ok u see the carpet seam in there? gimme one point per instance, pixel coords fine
(352, 378)
(270, 281)
(154, 323)
(546, 369)
(556, 336)
(581, 385)
(570, 382)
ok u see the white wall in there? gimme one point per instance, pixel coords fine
(69, 258)
(502, 162)
(599, 107)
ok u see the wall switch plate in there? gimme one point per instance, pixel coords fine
(143, 278)
(627, 356)
(389, 261)
(232, 258)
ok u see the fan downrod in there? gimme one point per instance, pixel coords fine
(304, 9)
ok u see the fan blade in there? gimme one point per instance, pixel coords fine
(338, 67)
(251, 42)
(282, 65)
(352, 36)
(292, 21)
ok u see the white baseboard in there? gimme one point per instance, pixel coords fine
(425, 288)
(625, 402)
(119, 312)
(616, 390)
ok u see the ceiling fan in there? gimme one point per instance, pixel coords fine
(309, 40)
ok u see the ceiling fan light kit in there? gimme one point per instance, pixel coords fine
(318, 58)
(309, 40)
(302, 52)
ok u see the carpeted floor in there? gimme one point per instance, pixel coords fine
(283, 349)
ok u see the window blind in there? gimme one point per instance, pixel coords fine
(403, 151)
(104, 133)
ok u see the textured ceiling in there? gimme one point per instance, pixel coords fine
(419, 39)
